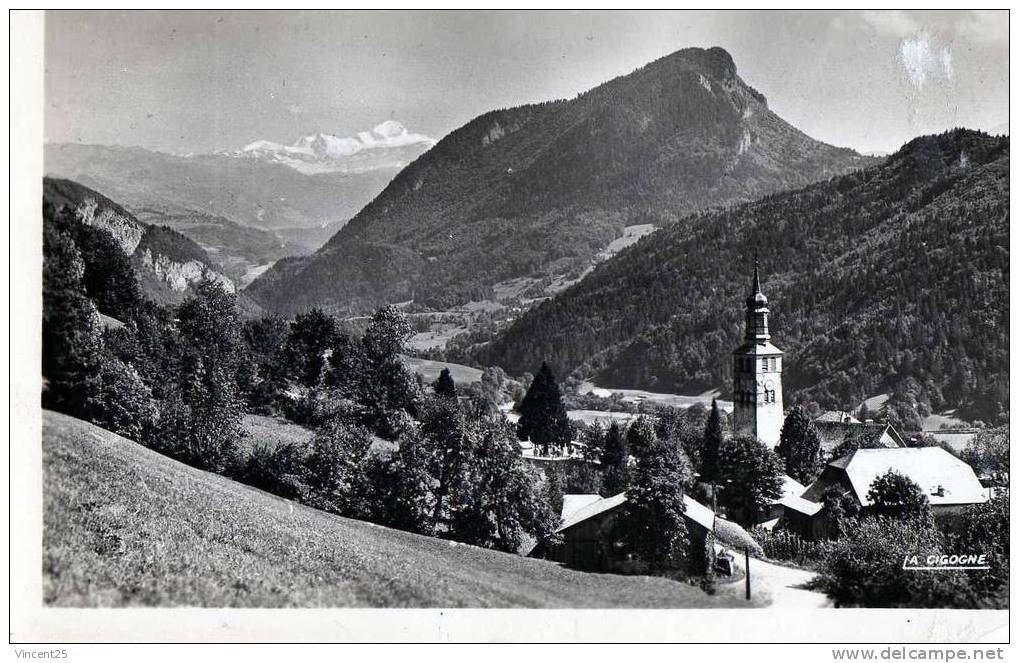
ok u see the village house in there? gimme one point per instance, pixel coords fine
(949, 484)
(587, 524)
(867, 433)
(840, 416)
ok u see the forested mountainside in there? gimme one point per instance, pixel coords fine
(540, 189)
(166, 264)
(893, 278)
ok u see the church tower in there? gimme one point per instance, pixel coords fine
(757, 373)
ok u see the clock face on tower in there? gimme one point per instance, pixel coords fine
(768, 384)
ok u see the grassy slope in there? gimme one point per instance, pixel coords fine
(126, 526)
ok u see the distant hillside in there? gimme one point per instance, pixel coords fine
(166, 263)
(125, 526)
(894, 277)
(539, 190)
(244, 252)
(249, 191)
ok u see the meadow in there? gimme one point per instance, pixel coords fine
(125, 526)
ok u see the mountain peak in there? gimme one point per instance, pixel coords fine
(518, 191)
(387, 145)
(714, 61)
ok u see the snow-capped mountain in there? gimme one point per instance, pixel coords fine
(387, 145)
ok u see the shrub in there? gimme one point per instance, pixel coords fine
(896, 495)
(121, 402)
(203, 435)
(789, 546)
(281, 471)
(865, 569)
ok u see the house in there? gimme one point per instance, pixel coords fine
(949, 483)
(587, 524)
(791, 489)
(868, 434)
(839, 416)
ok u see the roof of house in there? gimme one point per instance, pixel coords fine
(791, 486)
(573, 503)
(584, 507)
(590, 510)
(799, 504)
(928, 467)
(834, 433)
(838, 416)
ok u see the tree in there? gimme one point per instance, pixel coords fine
(387, 332)
(988, 451)
(408, 499)
(986, 529)
(751, 476)
(263, 374)
(337, 470)
(446, 433)
(713, 441)
(498, 503)
(311, 334)
(371, 373)
(800, 446)
(444, 385)
(543, 418)
(895, 495)
(121, 402)
(72, 344)
(640, 436)
(200, 422)
(854, 441)
(652, 525)
(842, 509)
(615, 461)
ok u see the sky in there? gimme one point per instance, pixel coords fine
(186, 82)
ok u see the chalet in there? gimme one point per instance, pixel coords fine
(949, 483)
(869, 434)
(838, 416)
(587, 524)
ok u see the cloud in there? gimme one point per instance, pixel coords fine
(922, 60)
(295, 109)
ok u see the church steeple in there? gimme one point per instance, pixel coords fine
(757, 372)
(757, 311)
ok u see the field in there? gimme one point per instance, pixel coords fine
(271, 432)
(671, 400)
(125, 526)
(430, 370)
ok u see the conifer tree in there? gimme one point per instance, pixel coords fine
(713, 440)
(444, 384)
(799, 446)
(543, 418)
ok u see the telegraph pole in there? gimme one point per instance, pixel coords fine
(746, 551)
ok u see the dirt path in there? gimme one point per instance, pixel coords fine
(779, 586)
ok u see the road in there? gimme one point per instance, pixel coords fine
(781, 586)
